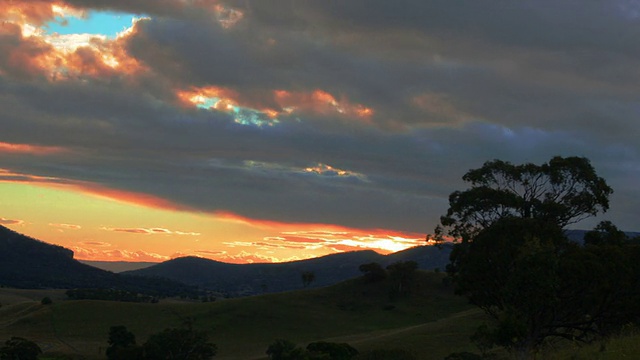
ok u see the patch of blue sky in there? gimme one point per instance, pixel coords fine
(208, 103)
(245, 116)
(105, 23)
(242, 115)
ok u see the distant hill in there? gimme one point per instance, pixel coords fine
(578, 235)
(28, 263)
(118, 266)
(250, 279)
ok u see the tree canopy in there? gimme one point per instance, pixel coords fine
(515, 262)
(561, 191)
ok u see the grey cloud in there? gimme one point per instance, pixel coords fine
(518, 81)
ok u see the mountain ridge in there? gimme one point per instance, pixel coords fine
(251, 279)
(30, 263)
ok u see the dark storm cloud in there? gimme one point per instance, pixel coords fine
(451, 85)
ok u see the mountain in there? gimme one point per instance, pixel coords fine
(33, 264)
(249, 279)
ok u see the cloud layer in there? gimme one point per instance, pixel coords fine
(357, 113)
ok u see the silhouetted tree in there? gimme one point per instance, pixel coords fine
(122, 345)
(514, 261)
(562, 191)
(180, 343)
(331, 351)
(387, 354)
(373, 272)
(401, 273)
(605, 233)
(285, 350)
(18, 348)
(46, 301)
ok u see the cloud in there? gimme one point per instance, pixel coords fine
(338, 240)
(151, 231)
(95, 243)
(358, 113)
(4, 221)
(67, 226)
(84, 253)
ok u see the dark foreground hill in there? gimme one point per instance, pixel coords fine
(32, 264)
(250, 279)
(428, 320)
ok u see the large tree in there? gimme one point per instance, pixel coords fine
(562, 191)
(513, 260)
(183, 343)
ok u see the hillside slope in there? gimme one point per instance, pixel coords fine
(32, 264)
(250, 279)
(354, 311)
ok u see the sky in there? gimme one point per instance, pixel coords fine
(268, 131)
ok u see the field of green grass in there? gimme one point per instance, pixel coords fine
(429, 321)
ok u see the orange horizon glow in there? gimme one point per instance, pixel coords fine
(102, 222)
(220, 235)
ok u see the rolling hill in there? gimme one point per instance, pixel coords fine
(28, 263)
(250, 279)
(428, 320)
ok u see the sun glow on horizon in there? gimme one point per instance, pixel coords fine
(125, 226)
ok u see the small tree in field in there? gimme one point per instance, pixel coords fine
(285, 350)
(373, 272)
(18, 348)
(402, 273)
(122, 344)
(183, 343)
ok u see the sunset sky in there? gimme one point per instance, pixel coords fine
(257, 131)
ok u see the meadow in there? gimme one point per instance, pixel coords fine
(429, 321)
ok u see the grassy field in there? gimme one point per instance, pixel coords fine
(431, 320)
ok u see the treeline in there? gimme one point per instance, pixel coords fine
(187, 343)
(110, 295)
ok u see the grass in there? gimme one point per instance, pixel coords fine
(431, 322)
(354, 311)
(626, 346)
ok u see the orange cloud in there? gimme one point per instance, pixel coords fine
(32, 52)
(67, 226)
(152, 231)
(4, 221)
(200, 96)
(36, 12)
(321, 102)
(318, 236)
(281, 102)
(245, 257)
(84, 253)
(30, 149)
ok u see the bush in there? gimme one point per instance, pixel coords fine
(387, 354)
(18, 348)
(46, 301)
